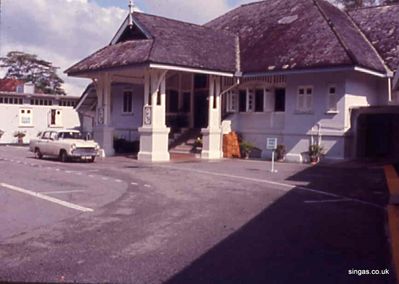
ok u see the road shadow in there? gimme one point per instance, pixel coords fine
(292, 241)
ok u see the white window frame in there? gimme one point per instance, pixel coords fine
(268, 100)
(58, 118)
(25, 113)
(332, 99)
(306, 106)
(125, 92)
(250, 100)
(232, 101)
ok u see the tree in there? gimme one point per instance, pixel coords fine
(351, 4)
(29, 68)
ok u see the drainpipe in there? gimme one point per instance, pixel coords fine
(231, 87)
(319, 134)
(389, 89)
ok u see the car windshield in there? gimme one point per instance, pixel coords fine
(70, 135)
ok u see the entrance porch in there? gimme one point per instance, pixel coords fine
(172, 102)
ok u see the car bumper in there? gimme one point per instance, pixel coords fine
(83, 152)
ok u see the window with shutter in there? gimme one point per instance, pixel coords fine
(127, 102)
(332, 99)
(305, 99)
(231, 102)
(25, 117)
(309, 99)
(55, 118)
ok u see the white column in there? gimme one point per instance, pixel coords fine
(191, 124)
(103, 132)
(212, 136)
(154, 135)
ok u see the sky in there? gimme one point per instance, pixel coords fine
(66, 31)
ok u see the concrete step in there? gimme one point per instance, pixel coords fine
(176, 151)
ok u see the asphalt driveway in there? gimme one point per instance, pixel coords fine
(192, 222)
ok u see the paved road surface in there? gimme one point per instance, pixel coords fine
(190, 222)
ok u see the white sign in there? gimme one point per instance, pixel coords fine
(271, 144)
(100, 116)
(147, 115)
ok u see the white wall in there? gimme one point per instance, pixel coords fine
(9, 120)
(126, 125)
(362, 90)
(353, 89)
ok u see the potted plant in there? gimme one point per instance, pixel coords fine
(246, 148)
(1, 133)
(20, 135)
(280, 152)
(198, 142)
(315, 152)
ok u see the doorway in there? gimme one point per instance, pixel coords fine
(377, 136)
(201, 109)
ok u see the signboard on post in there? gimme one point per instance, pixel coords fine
(271, 144)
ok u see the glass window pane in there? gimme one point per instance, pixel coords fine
(243, 100)
(279, 100)
(259, 100)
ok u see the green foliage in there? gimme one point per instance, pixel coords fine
(246, 147)
(315, 151)
(198, 142)
(29, 68)
(280, 152)
(19, 134)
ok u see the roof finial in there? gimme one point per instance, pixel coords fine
(131, 7)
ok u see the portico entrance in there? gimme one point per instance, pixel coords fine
(175, 101)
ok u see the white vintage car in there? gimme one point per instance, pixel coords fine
(64, 144)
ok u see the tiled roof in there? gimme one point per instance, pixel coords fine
(172, 42)
(381, 26)
(296, 34)
(9, 85)
(118, 55)
(185, 44)
(359, 49)
(274, 35)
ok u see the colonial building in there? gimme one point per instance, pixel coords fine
(302, 71)
(26, 112)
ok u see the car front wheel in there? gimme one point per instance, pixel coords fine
(63, 156)
(38, 154)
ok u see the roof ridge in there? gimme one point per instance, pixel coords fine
(252, 3)
(387, 69)
(373, 7)
(186, 23)
(236, 8)
(351, 56)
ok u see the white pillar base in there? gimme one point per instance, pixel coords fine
(154, 144)
(212, 144)
(104, 136)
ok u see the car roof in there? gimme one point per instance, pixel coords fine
(63, 130)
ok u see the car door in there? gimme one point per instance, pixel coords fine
(43, 143)
(52, 143)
